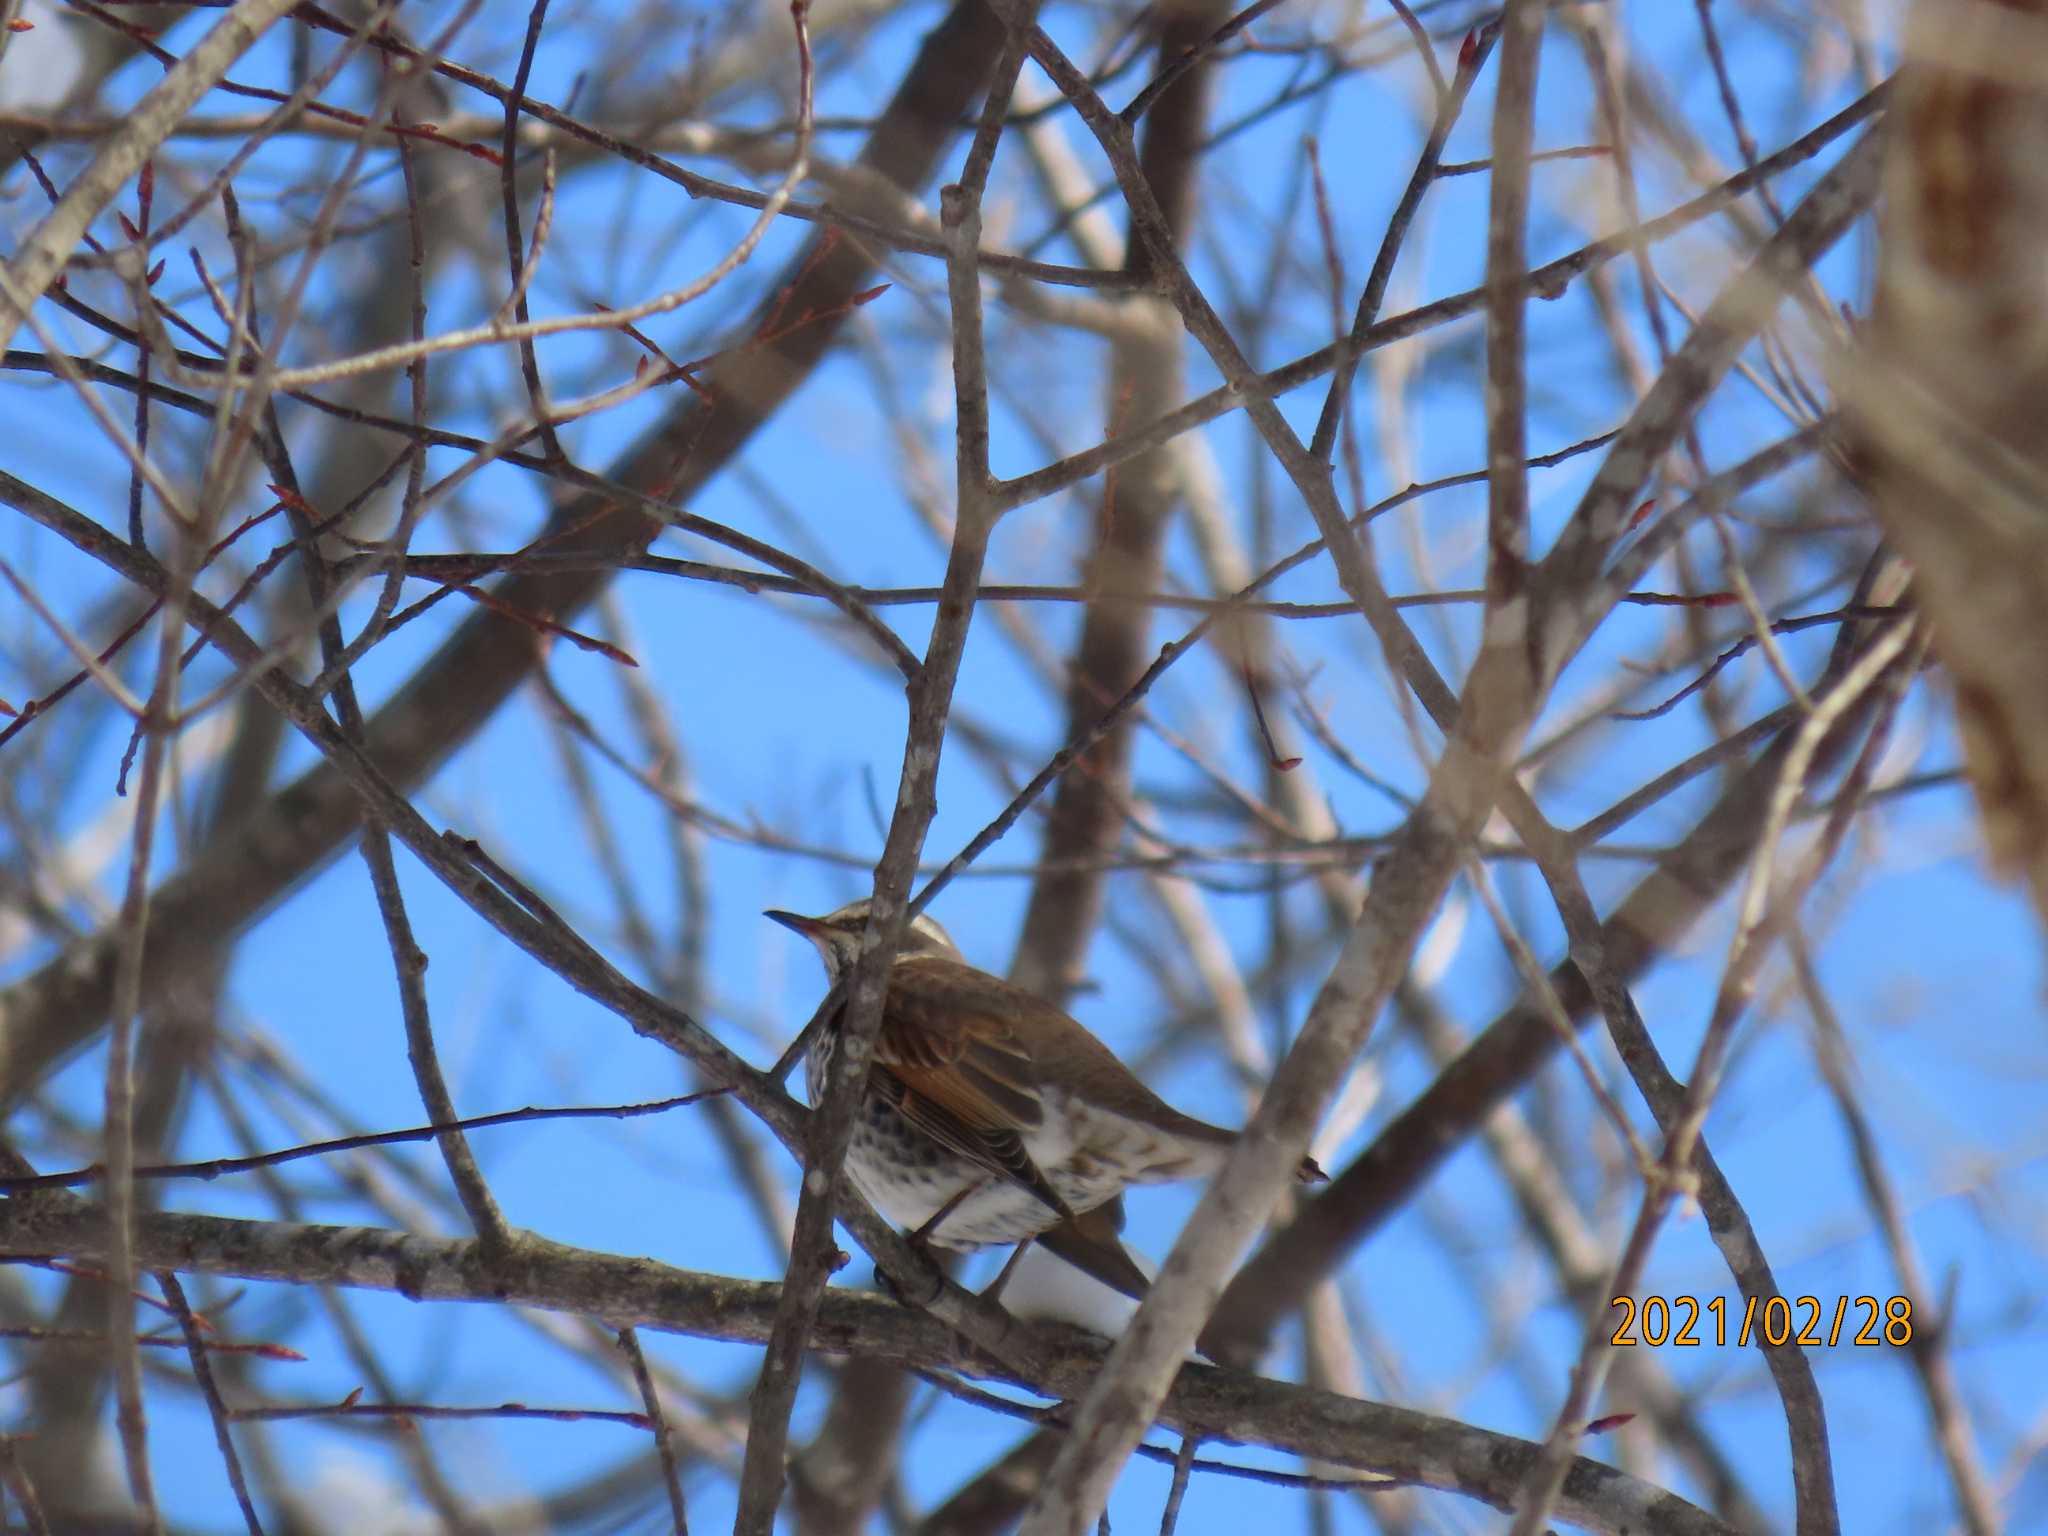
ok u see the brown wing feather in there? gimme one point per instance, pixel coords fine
(971, 1041)
(966, 1057)
(995, 1032)
(960, 1078)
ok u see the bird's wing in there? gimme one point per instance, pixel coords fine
(957, 1072)
(967, 1038)
(941, 1035)
(998, 1150)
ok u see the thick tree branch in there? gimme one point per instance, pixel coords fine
(1208, 1403)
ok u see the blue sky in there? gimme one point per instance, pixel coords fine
(1934, 969)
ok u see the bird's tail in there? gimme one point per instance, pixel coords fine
(1090, 1243)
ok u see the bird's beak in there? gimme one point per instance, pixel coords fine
(809, 927)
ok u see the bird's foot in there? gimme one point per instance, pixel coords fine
(927, 1282)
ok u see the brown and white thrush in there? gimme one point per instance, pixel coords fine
(991, 1117)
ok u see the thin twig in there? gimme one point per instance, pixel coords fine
(196, 1346)
(1675, 1172)
(664, 1442)
(1450, 103)
(1183, 1463)
(1536, 982)
(41, 256)
(522, 263)
(1928, 1351)
(15, 1476)
(217, 1167)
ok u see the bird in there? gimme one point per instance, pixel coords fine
(990, 1117)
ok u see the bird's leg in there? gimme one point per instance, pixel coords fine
(994, 1289)
(922, 1237)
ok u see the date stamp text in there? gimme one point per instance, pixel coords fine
(1805, 1320)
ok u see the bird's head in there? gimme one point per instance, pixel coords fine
(837, 936)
